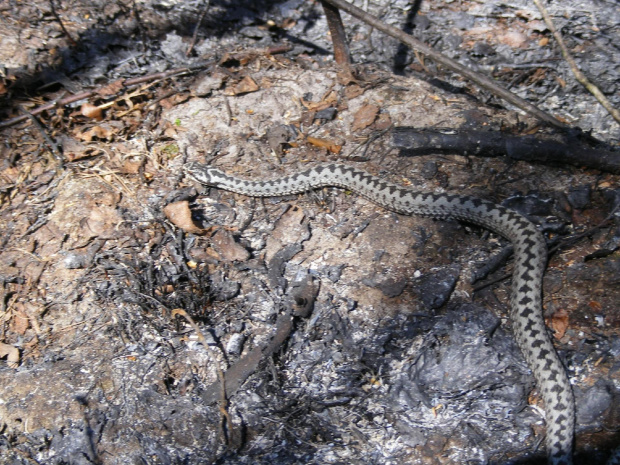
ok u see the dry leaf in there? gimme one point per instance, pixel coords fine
(11, 353)
(86, 153)
(227, 248)
(365, 116)
(345, 76)
(20, 322)
(245, 86)
(330, 145)
(132, 165)
(288, 23)
(102, 132)
(328, 100)
(10, 174)
(100, 222)
(235, 60)
(560, 81)
(92, 111)
(111, 89)
(595, 305)
(181, 216)
(75, 150)
(174, 100)
(513, 39)
(559, 323)
(352, 91)
(383, 121)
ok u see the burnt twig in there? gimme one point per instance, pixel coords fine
(565, 150)
(125, 84)
(222, 398)
(491, 265)
(421, 47)
(62, 25)
(195, 36)
(50, 142)
(242, 369)
(583, 80)
(339, 37)
(571, 240)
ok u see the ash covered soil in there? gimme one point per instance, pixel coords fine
(401, 359)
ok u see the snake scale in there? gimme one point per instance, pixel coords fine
(529, 264)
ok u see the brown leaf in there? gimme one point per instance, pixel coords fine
(234, 60)
(225, 245)
(345, 76)
(307, 117)
(10, 174)
(132, 165)
(352, 91)
(383, 121)
(75, 150)
(330, 145)
(181, 216)
(559, 323)
(92, 111)
(245, 86)
(100, 222)
(101, 132)
(86, 153)
(328, 100)
(364, 117)
(513, 39)
(11, 353)
(20, 321)
(174, 100)
(111, 89)
(595, 305)
(288, 23)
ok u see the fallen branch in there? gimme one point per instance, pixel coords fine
(298, 303)
(583, 80)
(565, 150)
(421, 47)
(339, 37)
(124, 85)
(236, 375)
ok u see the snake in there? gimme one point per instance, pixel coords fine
(530, 259)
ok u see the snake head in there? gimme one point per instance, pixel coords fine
(204, 174)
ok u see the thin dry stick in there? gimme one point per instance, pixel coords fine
(421, 47)
(51, 144)
(125, 84)
(195, 36)
(339, 37)
(223, 401)
(583, 80)
(62, 25)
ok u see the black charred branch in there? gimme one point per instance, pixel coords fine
(562, 150)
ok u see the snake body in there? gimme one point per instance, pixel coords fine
(529, 264)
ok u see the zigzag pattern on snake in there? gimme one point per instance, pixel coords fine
(529, 264)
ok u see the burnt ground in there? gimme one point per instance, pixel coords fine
(402, 359)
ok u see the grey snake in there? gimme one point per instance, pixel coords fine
(530, 252)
